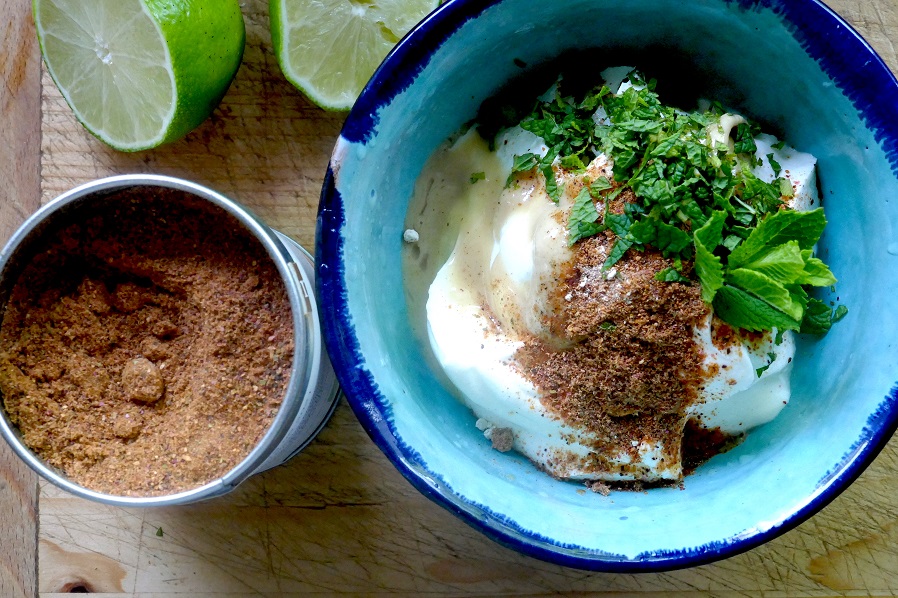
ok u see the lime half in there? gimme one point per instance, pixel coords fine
(330, 48)
(139, 73)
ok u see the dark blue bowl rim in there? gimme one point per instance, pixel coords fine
(405, 61)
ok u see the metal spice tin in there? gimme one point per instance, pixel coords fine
(312, 390)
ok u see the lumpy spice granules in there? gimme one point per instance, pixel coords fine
(148, 347)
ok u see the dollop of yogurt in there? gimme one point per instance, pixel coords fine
(487, 260)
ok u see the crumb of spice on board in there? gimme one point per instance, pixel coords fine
(148, 347)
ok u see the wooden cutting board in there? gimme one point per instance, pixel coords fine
(338, 519)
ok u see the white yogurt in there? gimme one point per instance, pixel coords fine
(486, 260)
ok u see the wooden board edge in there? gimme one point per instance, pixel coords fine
(20, 111)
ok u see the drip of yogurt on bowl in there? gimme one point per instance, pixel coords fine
(487, 257)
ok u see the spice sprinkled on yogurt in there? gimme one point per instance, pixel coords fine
(618, 274)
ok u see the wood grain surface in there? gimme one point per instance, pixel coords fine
(20, 125)
(338, 519)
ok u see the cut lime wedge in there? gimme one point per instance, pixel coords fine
(330, 48)
(139, 73)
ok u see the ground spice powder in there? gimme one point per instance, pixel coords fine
(630, 365)
(147, 349)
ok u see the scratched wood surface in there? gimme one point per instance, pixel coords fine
(338, 518)
(20, 124)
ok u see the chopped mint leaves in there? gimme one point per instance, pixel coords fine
(600, 184)
(786, 189)
(771, 357)
(744, 142)
(777, 169)
(522, 163)
(477, 176)
(695, 201)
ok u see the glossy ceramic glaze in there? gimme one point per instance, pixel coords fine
(792, 64)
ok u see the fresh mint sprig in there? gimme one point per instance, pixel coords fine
(772, 266)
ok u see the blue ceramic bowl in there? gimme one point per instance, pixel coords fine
(794, 65)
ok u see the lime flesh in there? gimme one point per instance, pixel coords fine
(139, 73)
(330, 48)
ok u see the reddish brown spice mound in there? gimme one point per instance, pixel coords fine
(147, 350)
(632, 365)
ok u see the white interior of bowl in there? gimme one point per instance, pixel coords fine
(839, 381)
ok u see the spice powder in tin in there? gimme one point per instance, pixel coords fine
(147, 350)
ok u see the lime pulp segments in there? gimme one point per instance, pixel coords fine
(139, 73)
(330, 48)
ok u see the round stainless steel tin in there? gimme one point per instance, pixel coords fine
(312, 390)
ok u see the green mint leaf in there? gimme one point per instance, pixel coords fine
(784, 263)
(778, 339)
(779, 145)
(617, 252)
(664, 237)
(744, 143)
(671, 274)
(693, 213)
(817, 318)
(815, 272)
(764, 197)
(547, 128)
(573, 163)
(609, 326)
(780, 227)
(786, 189)
(777, 169)
(600, 184)
(709, 270)
(584, 209)
(552, 187)
(711, 234)
(524, 162)
(665, 146)
(767, 289)
(653, 189)
(732, 241)
(742, 310)
(640, 125)
(841, 312)
(708, 266)
(583, 221)
(477, 176)
(619, 224)
(771, 357)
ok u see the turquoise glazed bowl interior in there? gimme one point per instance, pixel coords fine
(791, 64)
